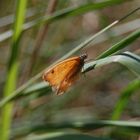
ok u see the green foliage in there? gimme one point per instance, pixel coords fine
(10, 84)
(124, 99)
(43, 116)
(120, 45)
(64, 136)
(68, 12)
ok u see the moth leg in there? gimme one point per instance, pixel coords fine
(58, 90)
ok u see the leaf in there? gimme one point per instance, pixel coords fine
(64, 136)
(120, 45)
(124, 98)
(11, 80)
(128, 59)
(68, 12)
(89, 124)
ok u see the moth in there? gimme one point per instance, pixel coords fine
(62, 75)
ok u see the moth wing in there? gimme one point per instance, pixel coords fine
(66, 83)
(56, 75)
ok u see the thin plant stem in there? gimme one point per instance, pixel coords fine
(40, 38)
(10, 84)
(68, 12)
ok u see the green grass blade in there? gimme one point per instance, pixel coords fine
(64, 136)
(120, 45)
(9, 19)
(78, 10)
(68, 12)
(124, 98)
(130, 60)
(82, 125)
(10, 84)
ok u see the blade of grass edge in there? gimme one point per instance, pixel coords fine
(124, 98)
(10, 84)
(120, 45)
(130, 60)
(68, 12)
(82, 125)
(64, 136)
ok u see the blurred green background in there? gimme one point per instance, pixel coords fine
(103, 104)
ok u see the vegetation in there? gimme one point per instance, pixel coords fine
(103, 104)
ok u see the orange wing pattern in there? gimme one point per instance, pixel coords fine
(63, 74)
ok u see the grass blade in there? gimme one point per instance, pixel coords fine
(82, 125)
(120, 45)
(10, 84)
(68, 12)
(124, 98)
(130, 60)
(64, 136)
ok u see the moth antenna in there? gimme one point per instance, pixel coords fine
(130, 13)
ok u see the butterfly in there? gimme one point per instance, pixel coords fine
(62, 75)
